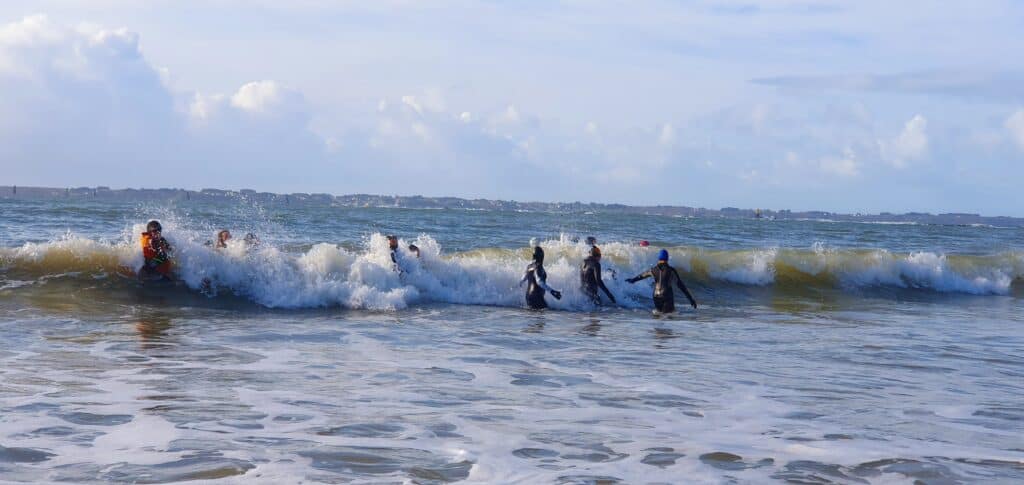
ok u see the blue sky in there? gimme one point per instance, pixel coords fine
(846, 106)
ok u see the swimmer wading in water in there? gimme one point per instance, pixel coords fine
(664, 276)
(536, 278)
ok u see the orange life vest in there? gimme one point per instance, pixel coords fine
(147, 247)
(151, 253)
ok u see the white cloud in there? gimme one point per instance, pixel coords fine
(258, 97)
(1015, 125)
(667, 136)
(83, 101)
(84, 106)
(911, 144)
(794, 167)
(844, 166)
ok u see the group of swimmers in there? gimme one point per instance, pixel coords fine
(665, 277)
(157, 264)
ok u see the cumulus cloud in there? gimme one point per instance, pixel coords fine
(1015, 126)
(82, 105)
(911, 144)
(85, 106)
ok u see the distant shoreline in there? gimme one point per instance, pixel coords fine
(421, 202)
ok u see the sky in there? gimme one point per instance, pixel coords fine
(859, 106)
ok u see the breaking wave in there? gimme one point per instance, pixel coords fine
(330, 275)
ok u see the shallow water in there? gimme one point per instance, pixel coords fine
(778, 376)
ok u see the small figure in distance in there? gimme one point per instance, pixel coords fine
(155, 251)
(590, 276)
(664, 276)
(251, 240)
(644, 243)
(414, 249)
(222, 239)
(537, 278)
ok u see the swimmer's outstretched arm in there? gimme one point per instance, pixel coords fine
(679, 282)
(641, 276)
(542, 281)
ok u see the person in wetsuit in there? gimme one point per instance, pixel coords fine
(590, 277)
(154, 252)
(393, 246)
(536, 278)
(664, 276)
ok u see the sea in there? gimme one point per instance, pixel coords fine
(820, 351)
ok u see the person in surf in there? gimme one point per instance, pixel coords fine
(222, 239)
(590, 276)
(393, 247)
(414, 249)
(223, 236)
(155, 249)
(536, 278)
(251, 241)
(664, 276)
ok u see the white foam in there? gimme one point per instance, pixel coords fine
(328, 275)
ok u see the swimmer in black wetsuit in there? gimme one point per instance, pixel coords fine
(664, 275)
(537, 278)
(393, 246)
(590, 277)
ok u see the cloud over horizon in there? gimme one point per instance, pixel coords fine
(524, 110)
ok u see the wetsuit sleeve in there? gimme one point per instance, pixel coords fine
(542, 280)
(644, 275)
(679, 282)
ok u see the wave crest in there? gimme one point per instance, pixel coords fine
(326, 275)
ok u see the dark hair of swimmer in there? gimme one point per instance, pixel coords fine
(393, 242)
(591, 240)
(414, 249)
(538, 254)
(154, 226)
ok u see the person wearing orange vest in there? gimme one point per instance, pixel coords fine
(154, 252)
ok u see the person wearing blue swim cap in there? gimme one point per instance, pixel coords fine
(664, 276)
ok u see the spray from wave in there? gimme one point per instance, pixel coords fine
(364, 277)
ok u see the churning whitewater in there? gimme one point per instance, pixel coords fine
(329, 275)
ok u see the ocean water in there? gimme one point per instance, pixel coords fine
(822, 352)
